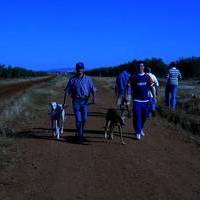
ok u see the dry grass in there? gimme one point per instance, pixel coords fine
(179, 117)
(187, 114)
(191, 104)
(25, 107)
(110, 81)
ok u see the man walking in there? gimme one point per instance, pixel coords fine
(79, 88)
(171, 89)
(123, 92)
(140, 84)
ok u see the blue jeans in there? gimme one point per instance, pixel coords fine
(170, 95)
(140, 113)
(152, 106)
(80, 107)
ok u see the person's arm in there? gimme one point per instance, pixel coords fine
(153, 92)
(64, 100)
(93, 91)
(128, 91)
(67, 92)
(152, 88)
(180, 76)
(156, 85)
(94, 97)
(156, 81)
(116, 87)
(167, 76)
(129, 88)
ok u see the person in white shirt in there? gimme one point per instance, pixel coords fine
(152, 103)
(171, 90)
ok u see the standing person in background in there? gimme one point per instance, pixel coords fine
(79, 88)
(152, 103)
(140, 84)
(171, 90)
(123, 92)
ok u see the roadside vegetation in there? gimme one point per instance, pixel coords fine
(187, 114)
(22, 108)
(189, 67)
(18, 72)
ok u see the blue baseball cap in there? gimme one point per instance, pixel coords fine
(80, 65)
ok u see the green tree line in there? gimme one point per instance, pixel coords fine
(189, 67)
(18, 72)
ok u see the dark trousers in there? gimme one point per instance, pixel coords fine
(170, 95)
(80, 107)
(140, 113)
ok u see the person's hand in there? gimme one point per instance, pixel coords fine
(128, 97)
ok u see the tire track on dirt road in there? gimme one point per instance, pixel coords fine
(10, 89)
(164, 165)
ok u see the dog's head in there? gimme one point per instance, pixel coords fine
(113, 116)
(53, 105)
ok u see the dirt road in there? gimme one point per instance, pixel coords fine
(12, 88)
(164, 165)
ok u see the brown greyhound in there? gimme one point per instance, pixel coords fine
(113, 119)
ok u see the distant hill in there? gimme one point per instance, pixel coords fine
(60, 70)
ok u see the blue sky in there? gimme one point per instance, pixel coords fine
(58, 33)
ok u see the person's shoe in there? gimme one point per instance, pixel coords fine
(137, 136)
(142, 133)
(81, 139)
(76, 134)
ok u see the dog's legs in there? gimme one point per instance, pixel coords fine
(107, 126)
(111, 131)
(53, 127)
(129, 110)
(61, 126)
(61, 129)
(62, 122)
(120, 131)
(57, 130)
(121, 110)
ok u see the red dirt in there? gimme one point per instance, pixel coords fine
(163, 165)
(11, 89)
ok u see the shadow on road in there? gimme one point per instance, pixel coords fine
(91, 114)
(91, 136)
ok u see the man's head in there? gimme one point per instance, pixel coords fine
(172, 64)
(80, 68)
(131, 69)
(141, 67)
(147, 70)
